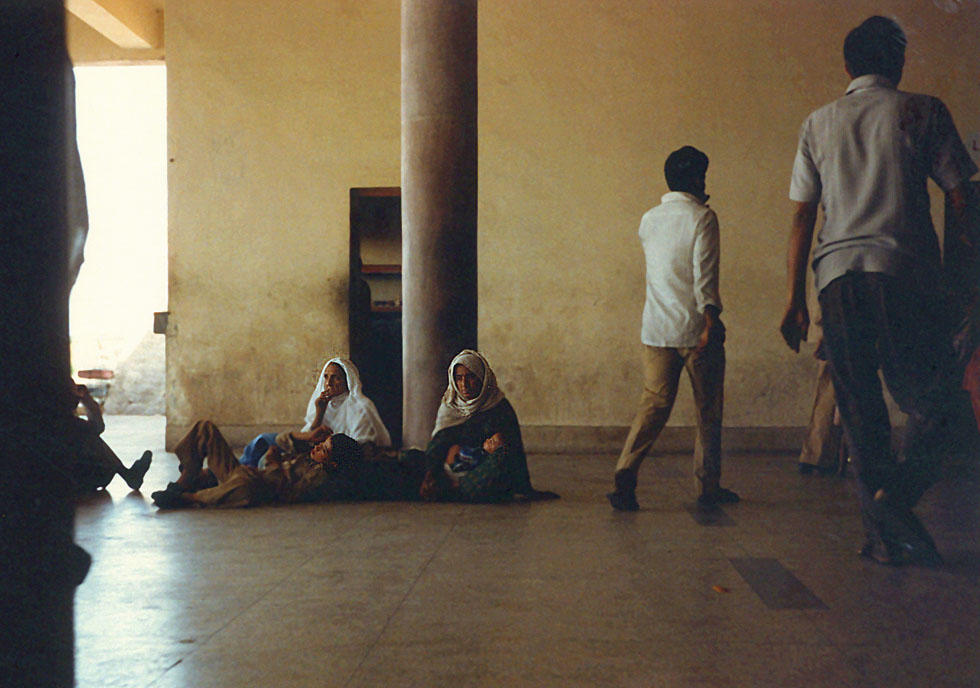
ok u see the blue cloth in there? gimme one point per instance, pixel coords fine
(257, 448)
(468, 459)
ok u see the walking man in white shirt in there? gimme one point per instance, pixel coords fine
(681, 329)
(865, 159)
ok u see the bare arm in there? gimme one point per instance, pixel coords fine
(318, 433)
(796, 320)
(321, 407)
(92, 410)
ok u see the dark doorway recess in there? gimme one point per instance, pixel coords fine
(376, 298)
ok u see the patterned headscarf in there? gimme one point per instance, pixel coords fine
(453, 409)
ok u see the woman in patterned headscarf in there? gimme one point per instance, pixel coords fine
(476, 452)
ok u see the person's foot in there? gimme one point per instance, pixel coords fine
(910, 542)
(884, 553)
(890, 553)
(167, 500)
(134, 477)
(623, 498)
(721, 495)
(170, 498)
(623, 502)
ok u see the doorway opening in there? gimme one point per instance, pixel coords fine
(121, 115)
(376, 299)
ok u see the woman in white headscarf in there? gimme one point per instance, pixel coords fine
(338, 404)
(476, 452)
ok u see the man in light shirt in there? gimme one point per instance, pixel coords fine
(865, 159)
(681, 329)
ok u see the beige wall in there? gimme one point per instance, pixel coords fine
(274, 115)
(275, 111)
(580, 102)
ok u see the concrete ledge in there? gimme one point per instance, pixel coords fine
(604, 439)
(237, 435)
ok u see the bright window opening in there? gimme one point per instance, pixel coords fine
(122, 140)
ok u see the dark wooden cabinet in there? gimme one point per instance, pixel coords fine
(375, 298)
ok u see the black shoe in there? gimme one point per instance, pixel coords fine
(166, 499)
(893, 553)
(721, 495)
(138, 470)
(624, 497)
(905, 536)
(884, 552)
(169, 498)
(623, 501)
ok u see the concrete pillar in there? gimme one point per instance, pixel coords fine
(40, 563)
(439, 192)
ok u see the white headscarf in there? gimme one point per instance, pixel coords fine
(453, 409)
(351, 414)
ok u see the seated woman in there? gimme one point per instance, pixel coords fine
(312, 471)
(476, 453)
(338, 404)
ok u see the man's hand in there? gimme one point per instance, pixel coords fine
(795, 325)
(317, 434)
(796, 320)
(493, 443)
(273, 455)
(452, 455)
(320, 433)
(714, 329)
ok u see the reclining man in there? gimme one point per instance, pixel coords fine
(299, 474)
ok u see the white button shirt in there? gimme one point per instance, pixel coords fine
(866, 157)
(681, 244)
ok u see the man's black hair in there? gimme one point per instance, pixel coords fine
(344, 450)
(685, 168)
(877, 46)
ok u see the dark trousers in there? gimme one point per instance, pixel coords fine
(872, 321)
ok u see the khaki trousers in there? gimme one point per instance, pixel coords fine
(661, 373)
(824, 436)
(237, 485)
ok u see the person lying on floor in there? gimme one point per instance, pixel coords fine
(337, 403)
(301, 474)
(476, 453)
(95, 463)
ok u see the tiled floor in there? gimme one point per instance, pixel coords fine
(563, 593)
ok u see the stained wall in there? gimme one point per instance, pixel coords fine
(276, 110)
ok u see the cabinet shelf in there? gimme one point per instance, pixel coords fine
(376, 269)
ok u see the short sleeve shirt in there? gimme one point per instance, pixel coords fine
(866, 158)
